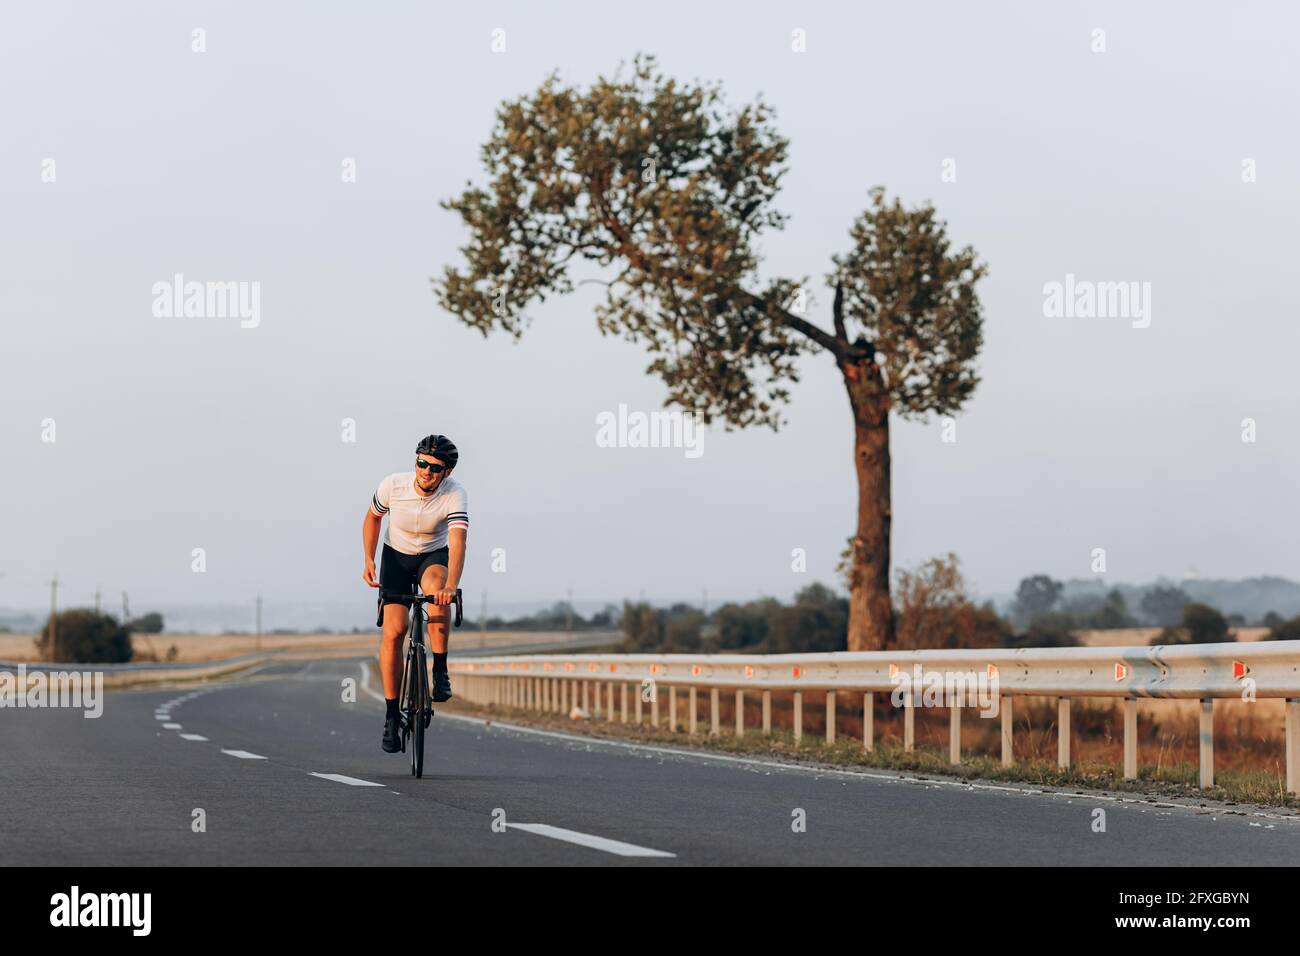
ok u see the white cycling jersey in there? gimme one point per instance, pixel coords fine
(418, 524)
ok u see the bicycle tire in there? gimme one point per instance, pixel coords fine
(419, 702)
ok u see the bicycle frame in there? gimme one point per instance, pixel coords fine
(414, 695)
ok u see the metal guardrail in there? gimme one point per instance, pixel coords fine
(551, 683)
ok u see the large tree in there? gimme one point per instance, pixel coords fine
(664, 191)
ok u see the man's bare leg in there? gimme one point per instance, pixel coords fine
(390, 649)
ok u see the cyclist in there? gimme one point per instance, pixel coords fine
(424, 546)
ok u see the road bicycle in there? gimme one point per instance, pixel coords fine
(416, 706)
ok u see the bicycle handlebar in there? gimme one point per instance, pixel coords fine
(424, 599)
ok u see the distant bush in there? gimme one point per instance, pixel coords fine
(1163, 606)
(1048, 630)
(1284, 630)
(151, 623)
(1202, 624)
(935, 611)
(85, 636)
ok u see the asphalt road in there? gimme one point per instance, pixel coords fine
(287, 772)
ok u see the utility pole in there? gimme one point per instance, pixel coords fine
(126, 610)
(259, 621)
(54, 617)
(96, 600)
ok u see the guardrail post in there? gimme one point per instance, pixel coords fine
(740, 713)
(564, 697)
(622, 701)
(1008, 717)
(1130, 738)
(672, 709)
(798, 716)
(654, 705)
(909, 723)
(1063, 733)
(586, 697)
(1207, 743)
(1293, 744)
(868, 721)
(767, 713)
(609, 711)
(691, 721)
(954, 733)
(713, 710)
(830, 716)
(637, 715)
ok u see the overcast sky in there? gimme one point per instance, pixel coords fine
(176, 434)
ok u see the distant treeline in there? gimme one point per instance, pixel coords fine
(932, 610)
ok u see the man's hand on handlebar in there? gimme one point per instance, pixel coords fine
(444, 596)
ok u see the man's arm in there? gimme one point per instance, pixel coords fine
(369, 541)
(456, 538)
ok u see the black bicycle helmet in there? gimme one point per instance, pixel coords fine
(440, 447)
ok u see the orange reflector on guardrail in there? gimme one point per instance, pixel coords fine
(1239, 670)
(568, 667)
(992, 671)
(696, 670)
(749, 671)
(893, 671)
(1121, 670)
(796, 672)
(593, 668)
(613, 668)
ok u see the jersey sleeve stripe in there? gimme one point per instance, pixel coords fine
(379, 509)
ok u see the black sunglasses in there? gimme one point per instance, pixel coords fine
(432, 466)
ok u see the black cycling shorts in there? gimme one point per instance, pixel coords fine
(401, 573)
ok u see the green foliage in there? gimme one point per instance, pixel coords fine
(742, 627)
(1035, 597)
(907, 295)
(1284, 630)
(1163, 606)
(662, 191)
(151, 623)
(643, 627)
(665, 190)
(1048, 630)
(1096, 611)
(1201, 624)
(84, 636)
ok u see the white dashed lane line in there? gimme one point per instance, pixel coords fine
(243, 755)
(171, 726)
(617, 847)
(350, 781)
(192, 737)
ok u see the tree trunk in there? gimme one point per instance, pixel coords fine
(871, 611)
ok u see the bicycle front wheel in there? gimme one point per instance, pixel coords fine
(419, 703)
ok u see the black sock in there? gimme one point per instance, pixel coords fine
(439, 663)
(392, 707)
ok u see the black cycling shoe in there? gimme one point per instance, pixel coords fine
(392, 734)
(441, 687)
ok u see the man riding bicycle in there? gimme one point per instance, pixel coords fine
(424, 546)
